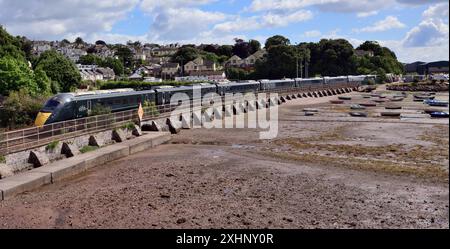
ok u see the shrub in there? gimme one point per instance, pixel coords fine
(20, 109)
(52, 145)
(2, 159)
(150, 108)
(128, 126)
(88, 148)
(99, 109)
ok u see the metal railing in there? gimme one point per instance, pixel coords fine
(19, 140)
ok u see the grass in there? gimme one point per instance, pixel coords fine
(128, 126)
(52, 145)
(88, 148)
(2, 159)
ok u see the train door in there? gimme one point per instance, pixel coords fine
(89, 105)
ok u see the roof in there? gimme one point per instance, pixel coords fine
(170, 65)
(112, 95)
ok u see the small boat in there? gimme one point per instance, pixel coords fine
(310, 110)
(382, 97)
(379, 100)
(397, 99)
(368, 104)
(309, 113)
(337, 102)
(438, 103)
(357, 107)
(375, 95)
(393, 107)
(439, 114)
(431, 110)
(358, 114)
(344, 98)
(423, 97)
(390, 114)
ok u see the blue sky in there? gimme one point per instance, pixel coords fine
(414, 29)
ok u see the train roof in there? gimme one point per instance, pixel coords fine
(184, 88)
(239, 83)
(112, 95)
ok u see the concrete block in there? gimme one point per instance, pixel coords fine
(282, 99)
(186, 121)
(293, 96)
(288, 97)
(137, 131)
(106, 154)
(38, 159)
(228, 111)
(119, 136)
(197, 118)
(251, 106)
(174, 126)
(5, 171)
(63, 169)
(96, 140)
(305, 95)
(155, 125)
(218, 114)
(69, 150)
(27, 181)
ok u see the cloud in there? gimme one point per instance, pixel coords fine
(312, 33)
(366, 14)
(52, 19)
(390, 22)
(269, 20)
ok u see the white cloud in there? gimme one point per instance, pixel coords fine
(366, 14)
(390, 22)
(312, 33)
(53, 19)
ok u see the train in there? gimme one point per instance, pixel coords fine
(68, 106)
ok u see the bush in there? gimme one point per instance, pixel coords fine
(52, 145)
(150, 108)
(128, 126)
(2, 159)
(99, 109)
(20, 109)
(88, 148)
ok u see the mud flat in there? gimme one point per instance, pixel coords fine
(326, 171)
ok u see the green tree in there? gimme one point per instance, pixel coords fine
(280, 62)
(14, 75)
(125, 55)
(90, 59)
(277, 40)
(59, 69)
(114, 64)
(255, 46)
(225, 50)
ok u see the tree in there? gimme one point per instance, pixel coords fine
(371, 46)
(60, 70)
(14, 75)
(114, 64)
(90, 59)
(280, 62)
(125, 55)
(255, 46)
(241, 48)
(276, 41)
(100, 42)
(225, 50)
(186, 54)
(10, 45)
(79, 41)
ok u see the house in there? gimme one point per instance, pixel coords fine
(153, 70)
(72, 54)
(40, 47)
(169, 70)
(108, 73)
(248, 63)
(94, 73)
(164, 51)
(361, 53)
(90, 75)
(200, 65)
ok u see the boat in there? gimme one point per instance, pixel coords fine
(439, 114)
(337, 102)
(379, 101)
(423, 97)
(397, 99)
(438, 103)
(393, 107)
(368, 104)
(431, 110)
(358, 114)
(357, 107)
(390, 114)
(310, 110)
(309, 113)
(344, 98)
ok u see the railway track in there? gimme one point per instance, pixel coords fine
(29, 138)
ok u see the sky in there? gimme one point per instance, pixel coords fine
(413, 29)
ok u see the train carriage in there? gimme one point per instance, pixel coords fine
(277, 84)
(238, 87)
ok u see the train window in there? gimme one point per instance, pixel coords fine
(110, 102)
(117, 101)
(125, 101)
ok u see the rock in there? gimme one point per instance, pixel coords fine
(174, 126)
(181, 221)
(38, 159)
(96, 140)
(136, 131)
(118, 135)
(69, 150)
(5, 171)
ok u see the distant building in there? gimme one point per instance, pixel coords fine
(423, 68)
(94, 73)
(200, 65)
(170, 70)
(212, 76)
(361, 53)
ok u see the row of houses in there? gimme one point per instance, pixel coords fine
(94, 73)
(246, 63)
